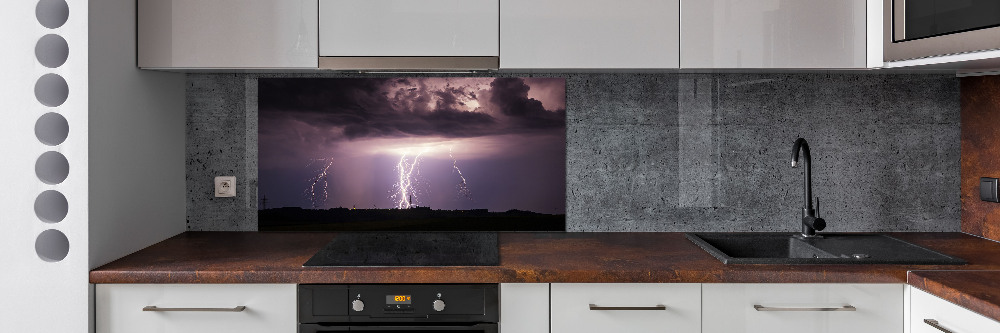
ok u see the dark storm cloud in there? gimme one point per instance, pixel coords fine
(510, 95)
(442, 122)
(406, 107)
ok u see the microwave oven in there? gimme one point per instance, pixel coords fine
(915, 29)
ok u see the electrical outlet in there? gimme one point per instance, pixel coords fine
(988, 189)
(225, 186)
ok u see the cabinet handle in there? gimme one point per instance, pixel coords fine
(759, 307)
(630, 308)
(234, 309)
(935, 324)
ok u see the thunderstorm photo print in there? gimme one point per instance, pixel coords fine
(412, 154)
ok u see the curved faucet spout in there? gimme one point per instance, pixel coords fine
(810, 222)
(803, 146)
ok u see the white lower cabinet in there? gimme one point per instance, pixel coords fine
(196, 308)
(570, 308)
(802, 308)
(626, 307)
(524, 308)
(930, 314)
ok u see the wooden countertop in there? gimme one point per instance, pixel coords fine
(254, 257)
(978, 291)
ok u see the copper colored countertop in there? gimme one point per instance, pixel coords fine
(978, 291)
(255, 257)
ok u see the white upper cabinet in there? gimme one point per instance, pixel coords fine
(409, 28)
(589, 34)
(522, 34)
(778, 33)
(227, 34)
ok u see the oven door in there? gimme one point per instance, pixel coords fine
(473, 328)
(927, 28)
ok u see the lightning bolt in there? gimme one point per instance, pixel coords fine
(317, 190)
(463, 187)
(406, 192)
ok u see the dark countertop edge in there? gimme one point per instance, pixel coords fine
(159, 264)
(201, 258)
(473, 275)
(941, 283)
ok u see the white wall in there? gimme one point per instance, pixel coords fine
(125, 126)
(137, 187)
(36, 295)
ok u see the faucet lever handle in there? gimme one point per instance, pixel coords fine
(817, 206)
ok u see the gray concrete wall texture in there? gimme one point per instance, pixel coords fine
(680, 152)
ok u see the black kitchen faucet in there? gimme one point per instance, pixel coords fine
(810, 222)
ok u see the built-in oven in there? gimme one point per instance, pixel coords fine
(927, 28)
(466, 308)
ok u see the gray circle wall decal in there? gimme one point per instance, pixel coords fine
(51, 90)
(51, 206)
(52, 13)
(52, 129)
(52, 167)
(51, 51)
(52, 245)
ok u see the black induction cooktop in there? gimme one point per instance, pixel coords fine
(409, 249)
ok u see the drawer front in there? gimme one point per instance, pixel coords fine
(664, 307)
(949, 316)
(269, 308)
(730, 308)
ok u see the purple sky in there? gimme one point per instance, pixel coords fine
(507, 136)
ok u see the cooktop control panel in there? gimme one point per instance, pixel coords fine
(411, 302)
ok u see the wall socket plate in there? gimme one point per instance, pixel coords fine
(225, 186)
(988, 189)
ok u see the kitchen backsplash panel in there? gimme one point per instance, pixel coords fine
(415, 154)
(980, 153)
(680, 152)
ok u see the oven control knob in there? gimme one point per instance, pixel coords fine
(438, 305)
(358, 305)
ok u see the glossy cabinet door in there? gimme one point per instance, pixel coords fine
(268, 308)
(227, 34)
(524, 308)
(799, 308)
(409, 28)
(774, 34)
(946, 315)
(626, 307)
(589, 34)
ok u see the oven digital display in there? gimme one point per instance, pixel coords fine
(397, 299)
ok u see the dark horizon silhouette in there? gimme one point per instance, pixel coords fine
(406, 219)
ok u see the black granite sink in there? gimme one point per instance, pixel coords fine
(787, 249)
